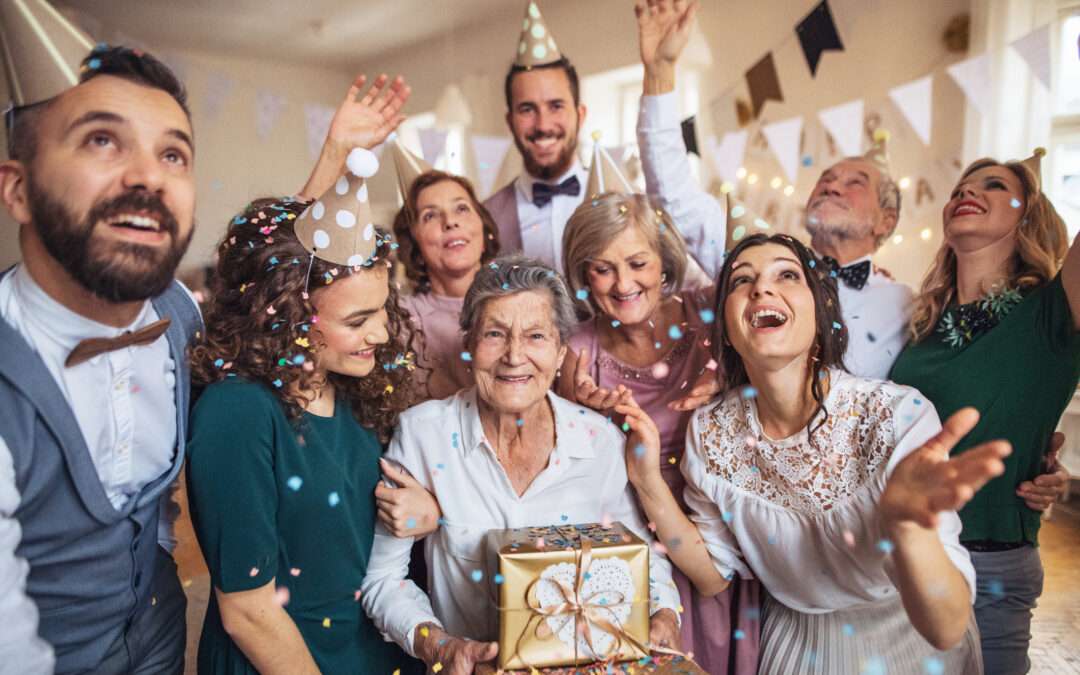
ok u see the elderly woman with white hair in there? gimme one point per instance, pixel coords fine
(505, 453)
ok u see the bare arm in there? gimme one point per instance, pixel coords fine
(1070, 280)
(934, 592)
(679, 536)
(260, 627)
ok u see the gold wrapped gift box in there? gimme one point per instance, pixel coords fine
(559, 583)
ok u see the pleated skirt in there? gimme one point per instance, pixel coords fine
(875, 639)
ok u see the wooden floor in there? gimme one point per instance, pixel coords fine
(1055, 646)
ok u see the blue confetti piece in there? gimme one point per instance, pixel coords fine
(917, 401)
(410, 523)
(564, 517)
(477, 575)
(837, 325)
(807, 160)
(466, 356)
(520, 422)
(812, 263)
(996, 588)
(333, 499)
(739, 634)
(707, 315)
(886, 546)
(933, 666)
(582, 293)
(294, 483)
(674, 333)
(657, 345)
(1015, 203)
(454, 440)
(727, 516)
(273, 260)
(615, 323)
(298, 359)
(848, 629)
(506, 286)
(639, 450)
(93, 64)
(498, 579)
(748, 392)
(441, 521)
(219, 363)
(277, 383)
(440, 466)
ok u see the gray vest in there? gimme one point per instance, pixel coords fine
(503, 209)
(90, 565)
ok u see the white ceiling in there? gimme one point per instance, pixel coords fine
(318, 32)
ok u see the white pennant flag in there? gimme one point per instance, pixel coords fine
(844, 123)
(432, 143)
(317, 120)
(268, 107)
(784, 137)
(727, 155)
(914, 101)
(1034, 48)
(973, 76)
(219, 87)
(489, 152)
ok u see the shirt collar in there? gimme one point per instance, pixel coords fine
(53, 320)
(526, 181)
(572, 435)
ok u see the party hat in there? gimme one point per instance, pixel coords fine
(741, 222)
(605, 175)
(338, 227)
(536, 46)
(878, 154)
(409, 166)
(41, 50)
(1035, 164)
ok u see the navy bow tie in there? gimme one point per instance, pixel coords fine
(854, 276)
(543, 192)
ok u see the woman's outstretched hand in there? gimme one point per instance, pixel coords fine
(928, 481)
(642, 445)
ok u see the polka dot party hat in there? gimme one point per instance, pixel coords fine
(741, 222)
(604, 174)
(338, 226)
(41, 50)
(536, 47)
(409, 166)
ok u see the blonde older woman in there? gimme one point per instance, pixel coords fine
(626, 261)
(996, 326)
(505, 453)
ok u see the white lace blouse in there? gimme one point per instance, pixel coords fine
(802, 517)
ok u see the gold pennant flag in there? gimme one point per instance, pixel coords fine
(764, 84)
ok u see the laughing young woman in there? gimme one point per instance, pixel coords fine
(835, 491)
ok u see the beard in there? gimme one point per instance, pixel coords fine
(562, 163)
(835, 227)
(113, 271)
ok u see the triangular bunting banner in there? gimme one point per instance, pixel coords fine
(689, 135)
(432, 143)
(488, 153)
(317, 121)
(784, 138)
(727, 155)
(973, 76)
(844, 123)
(1034, 48)
(764, 84)
(268, 107)
(914, 101)
(817, 34)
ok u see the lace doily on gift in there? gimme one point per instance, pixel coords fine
(608, 588)
(851, 446)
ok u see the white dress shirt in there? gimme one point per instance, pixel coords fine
(803, 518)
(442, 444)
(542, 227)
(877, 316)
(125, 406)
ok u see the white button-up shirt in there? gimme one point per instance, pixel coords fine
(124, 403)
(442, 444)
(877, 315)
(542, 228)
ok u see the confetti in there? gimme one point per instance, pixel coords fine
(295, 571)
(477, 576)
(424, 632)
(326, 622)
(837, 325)
(1015, 203)
(498, 579)
(707, 315)
(333, 499)
(748, 392)
(466, 356)
(281, 596)
(886, 546)
(848, 629)
(849, 538)
(436, 668)
(254, 572)
(277, 383)
(271, 311)
(674, 333)
(711, 365)
(219, 363)
(294, 483)
(615, 323)
(739, 634)
(933, 666)
(582, 293)
(660, 370)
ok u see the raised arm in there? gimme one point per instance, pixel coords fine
(925, 489)
(663, 31)
(362, 123)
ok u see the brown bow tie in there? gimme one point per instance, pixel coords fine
(91, 347)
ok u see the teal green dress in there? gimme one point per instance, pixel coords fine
(1020, 375)
(293, 504)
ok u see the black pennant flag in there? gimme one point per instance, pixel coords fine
(817, 34)
(689, 135)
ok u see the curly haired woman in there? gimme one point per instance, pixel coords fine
(301, 366)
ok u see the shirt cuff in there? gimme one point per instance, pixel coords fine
(660, 111)
(410, 636)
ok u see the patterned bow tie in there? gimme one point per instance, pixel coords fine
(543, 192)
(91, 347)
(854, 276)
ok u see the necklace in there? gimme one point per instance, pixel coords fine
(963, 324)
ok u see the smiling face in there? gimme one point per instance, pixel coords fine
(544, 121)
(110, 191)
(625, 280)
(516, 351)
(352, 322)
(769, 312)
(845, 203)
(448, 230)
(985, 208)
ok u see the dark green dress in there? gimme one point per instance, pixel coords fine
(273, 501)
(1020, 376)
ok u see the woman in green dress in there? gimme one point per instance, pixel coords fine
(304, 372)
(996, 327)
